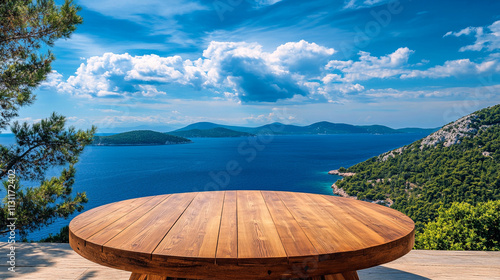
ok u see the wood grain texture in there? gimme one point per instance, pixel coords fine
(96, 219)
(242, 235)
(258, 238)
(196, 232)
(99, 238)
(227, 247)
(322, 233)
(294, 240)
(144, 235)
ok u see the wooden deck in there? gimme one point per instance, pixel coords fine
(46, 261)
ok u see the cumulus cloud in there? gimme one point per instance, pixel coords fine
(456, 68)
(486, 38)
(53, 80)
(242, 70)
(369, 67)
(302, 57)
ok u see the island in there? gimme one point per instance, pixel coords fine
(216, 132)
(139, 138)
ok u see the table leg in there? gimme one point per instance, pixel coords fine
(350, 275)
(138, 276)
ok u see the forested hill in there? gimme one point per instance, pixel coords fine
(458, 163)
(217, 132)
(140, 137)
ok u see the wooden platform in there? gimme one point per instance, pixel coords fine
(46, 261)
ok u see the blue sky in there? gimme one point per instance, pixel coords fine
(165, 64)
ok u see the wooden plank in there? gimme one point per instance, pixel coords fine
(293, 238)
(227, 246)
(114, 212)
(122, 223)
(322, 233)
(95, 216)
(375, 220)
(143, 235)
(353, 229)
(195, 234)
(257, 235)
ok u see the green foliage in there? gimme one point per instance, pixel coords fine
(29, 29)
(420, 181)
(61, 237)
(463, 227)
(140, 137)
(40, 206)
(42, 145)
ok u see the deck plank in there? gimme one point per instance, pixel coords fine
(49, 261)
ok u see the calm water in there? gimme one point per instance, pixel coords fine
(287, 163)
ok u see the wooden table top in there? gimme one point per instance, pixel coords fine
(241, 234)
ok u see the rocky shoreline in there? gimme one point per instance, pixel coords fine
(340, 191)
(343, 174)
(336, 189)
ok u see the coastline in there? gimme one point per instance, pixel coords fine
(340, 191)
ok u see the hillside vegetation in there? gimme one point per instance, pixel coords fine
(217, 132)
(140, 137)
(459, 163)
(315, 128)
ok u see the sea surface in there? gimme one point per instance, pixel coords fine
(298, 163)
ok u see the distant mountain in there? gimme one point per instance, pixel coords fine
(418, 130)
(216, 132)
(114, 130)
(315, 128)
(201, 126)
(458, 163)
(139, 137)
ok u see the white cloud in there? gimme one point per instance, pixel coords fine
(266, 2)
(302, 57)
(53, 80)
(486, 38)
(359, 4)
(243, 70)
(482, 92)
(456, 68)
(369, 67)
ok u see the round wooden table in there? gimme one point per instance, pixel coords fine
(242, 235)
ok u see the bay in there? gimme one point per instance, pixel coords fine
(298, 163)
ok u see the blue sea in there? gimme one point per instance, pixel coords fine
(298, 163)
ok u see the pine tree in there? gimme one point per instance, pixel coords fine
(28, 29)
